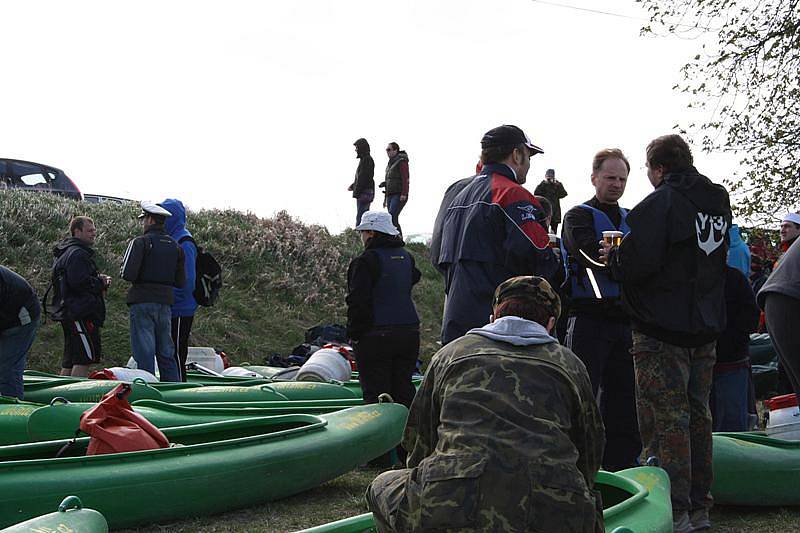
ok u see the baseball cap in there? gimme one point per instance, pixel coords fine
(532, 289)
(551, 173)
(506, 135)
(792, 217)
(151, 208)
(377, 221)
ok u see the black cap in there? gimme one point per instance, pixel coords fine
(508, 135)
(551, 173)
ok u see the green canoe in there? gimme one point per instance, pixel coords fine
(71, 517)
(91, 390)
(635, 500)
(26, 422)
(212, 467)
(753, 469)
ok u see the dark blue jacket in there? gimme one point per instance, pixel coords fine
(493, 229)
(16, 294)
(185, 304)
(379, 285)
(76, 282)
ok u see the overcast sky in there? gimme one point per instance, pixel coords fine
(255, 105)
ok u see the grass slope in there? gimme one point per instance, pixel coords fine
(281, 276)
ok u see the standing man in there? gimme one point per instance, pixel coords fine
(364, 185)
(396, 182)
(598, 329)
(79, 292)
(154, 264)
(504, 433)
(19, 318)
(492, 230)
(554, 191)
(790, 230)
(185, 305)
(672, 269)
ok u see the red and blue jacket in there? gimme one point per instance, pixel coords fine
(493, 229)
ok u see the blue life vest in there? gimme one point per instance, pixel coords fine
(579, 283)
(160, 260)
(391, 294)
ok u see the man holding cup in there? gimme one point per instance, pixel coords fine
(598, 328)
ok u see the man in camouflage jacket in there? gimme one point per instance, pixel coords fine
(504, 434)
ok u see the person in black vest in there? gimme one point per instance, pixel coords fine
(396, 182)
(19, 319)
(598, 329)
(154, 264)
(78, 294)
(382, 321)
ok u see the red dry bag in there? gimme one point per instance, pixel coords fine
(115, 427)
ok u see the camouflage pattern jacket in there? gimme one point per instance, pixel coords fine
(504, 438)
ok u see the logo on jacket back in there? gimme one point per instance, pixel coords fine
(711, 231)
(528, 212)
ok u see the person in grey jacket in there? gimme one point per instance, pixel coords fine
(780, 299)
(154, 264)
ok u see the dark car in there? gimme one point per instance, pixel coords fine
(16, 174)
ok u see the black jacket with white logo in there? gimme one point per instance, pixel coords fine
(672, 264)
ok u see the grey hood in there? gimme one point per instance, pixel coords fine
(514, 330)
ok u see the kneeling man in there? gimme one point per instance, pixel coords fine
(504, 433)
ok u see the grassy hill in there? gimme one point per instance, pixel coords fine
(281, 276)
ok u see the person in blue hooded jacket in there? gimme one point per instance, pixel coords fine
(185, 305)
(738, 251)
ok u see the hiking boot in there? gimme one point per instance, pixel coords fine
(699, 519)
(681, 523)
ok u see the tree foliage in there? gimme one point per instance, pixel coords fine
(747, 82)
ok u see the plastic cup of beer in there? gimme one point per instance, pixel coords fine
(614, 238)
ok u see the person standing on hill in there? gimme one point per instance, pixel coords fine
(492, 229)
(19, 319)
(396, 182)
(672, 269)
(185, 306)
(364, 185)
(554, 191)
(79, 291)
(154, 264)
(382, 320)
(598, 329)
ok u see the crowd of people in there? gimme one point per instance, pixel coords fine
(159, 265)
(519, 410)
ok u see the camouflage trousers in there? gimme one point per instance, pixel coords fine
(402, 501)
(672, 395)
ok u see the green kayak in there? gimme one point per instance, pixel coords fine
(211, 468)
(23, 422)
(71, 517)
(635, 500)
(753, 469)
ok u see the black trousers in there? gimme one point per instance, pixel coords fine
(781, 313)
(181, 328)
(386, 360)
(604, 347)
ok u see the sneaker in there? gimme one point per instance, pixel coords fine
(681, 523)
(699, 519)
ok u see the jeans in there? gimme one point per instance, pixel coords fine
(14, 346)
(151, 340)
(395, 206)
(362, 204)
(729, 393)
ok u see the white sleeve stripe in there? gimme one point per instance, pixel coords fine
(125, 258)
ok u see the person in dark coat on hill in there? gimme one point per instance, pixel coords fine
(79, 291)
(731, 387)
(396, 183)
(672, 269)
(364, 185)
(554, 191)
(19, 320)
(382, 320)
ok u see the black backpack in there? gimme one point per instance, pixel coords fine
(208, 276)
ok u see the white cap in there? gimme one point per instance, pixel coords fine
(151, 208)
(792, 217)
(377, 221)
